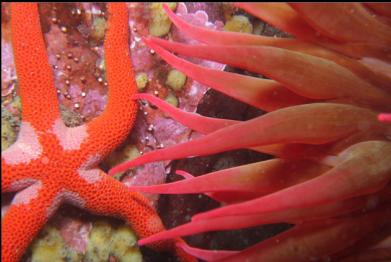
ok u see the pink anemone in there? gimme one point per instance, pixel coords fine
(325, 99)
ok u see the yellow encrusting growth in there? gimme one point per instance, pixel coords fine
(105, 241)
(124, 245)
(239, 23)
(51, 247)
(98, 248)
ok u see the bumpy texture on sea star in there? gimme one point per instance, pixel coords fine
(50, 163)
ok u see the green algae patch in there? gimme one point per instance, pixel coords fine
(160, 24)
(10, 122)
(70, 118)
(8, 135)
(124, 245)
(121, 155)
(98, 29)
(172, 99)
(176, 79)
(98, 247)
(141, 81)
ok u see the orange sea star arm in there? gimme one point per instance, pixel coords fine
(13, 177)
(116, 121)
(28, 212)
(35, 76)
(110, 197)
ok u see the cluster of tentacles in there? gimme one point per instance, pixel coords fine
(325, 99)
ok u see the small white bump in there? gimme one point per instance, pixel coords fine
(45, 160)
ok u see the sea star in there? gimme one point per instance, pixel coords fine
(50, 163)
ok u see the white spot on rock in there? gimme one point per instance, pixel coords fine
(69, 138)
(25, 149)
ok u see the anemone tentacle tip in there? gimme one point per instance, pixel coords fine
(384, 117)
